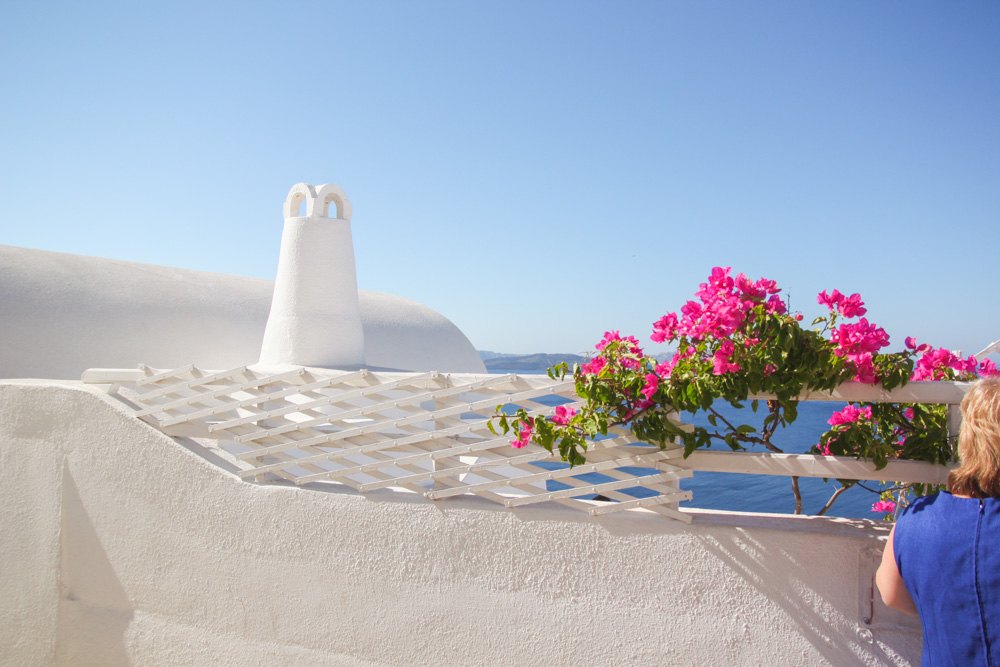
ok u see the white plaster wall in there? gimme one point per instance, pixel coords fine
(122, 547)
(61, 314)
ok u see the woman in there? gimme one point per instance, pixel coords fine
(942, 559)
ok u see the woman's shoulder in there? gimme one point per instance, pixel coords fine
(924, 503)
(932, 504)
(944, 503)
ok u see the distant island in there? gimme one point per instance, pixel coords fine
(501, 362)
(497, 362)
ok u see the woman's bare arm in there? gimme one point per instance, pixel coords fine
(890, 583)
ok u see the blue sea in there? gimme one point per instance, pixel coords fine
(761, 493)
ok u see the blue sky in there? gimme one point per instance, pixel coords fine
(538, 172)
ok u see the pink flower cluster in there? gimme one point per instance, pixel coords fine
(594, 366)
(652, 384)
(911, 343)
(849, 415)
(524, 437)
(563, 415)
(632, 345)
(934, 363)
(721, 364)
(628, 346)
(857, 343)
(988, 369)
(848, 306)
(666, 368)
(725, 304)
(884, 506)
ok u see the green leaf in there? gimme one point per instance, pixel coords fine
(575, 458)
(689, 445)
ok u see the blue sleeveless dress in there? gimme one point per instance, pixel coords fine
(948, 552)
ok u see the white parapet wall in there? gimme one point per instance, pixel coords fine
(123, 546)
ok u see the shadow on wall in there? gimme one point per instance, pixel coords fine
(94, 610)
(794, 585)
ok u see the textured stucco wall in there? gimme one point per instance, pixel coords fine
(121, 546)
(61, 314)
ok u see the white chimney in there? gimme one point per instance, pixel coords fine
(315, 319)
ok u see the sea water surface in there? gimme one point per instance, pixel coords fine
(759, 493)
(773, 493)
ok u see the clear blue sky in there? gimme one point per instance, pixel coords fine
(536, 171)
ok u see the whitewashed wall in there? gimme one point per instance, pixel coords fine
(122, 547)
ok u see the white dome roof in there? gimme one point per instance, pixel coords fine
(65, 313)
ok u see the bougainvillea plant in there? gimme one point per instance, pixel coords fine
(738, 340)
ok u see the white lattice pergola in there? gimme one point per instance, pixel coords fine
(423, 432)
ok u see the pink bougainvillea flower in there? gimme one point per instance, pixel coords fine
(692, 309)
(720, 277)
(829, 300)
(594, 366)
(908, 412)
(823, 449)
(652, 383)
(858, 338)
(563, 415)
(630, 363)
(851, 306)
(775, 305)
(768, 286)
(721, 364)
(665, 368)
(966, 366)
(769, 369)
(524, 437)
(864, 369)
(911, 343)
(934, 363)
(884, 506)
(849, 415)
(608, 337)
(665, 328)
(749, 288)
(798, 317)
(988, 369)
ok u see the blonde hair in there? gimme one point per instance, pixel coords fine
(978, 473)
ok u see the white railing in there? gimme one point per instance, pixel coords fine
(427, 433)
